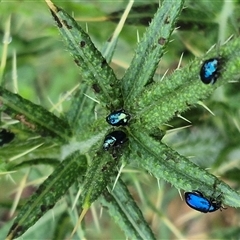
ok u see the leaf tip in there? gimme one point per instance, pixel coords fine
(83, 213)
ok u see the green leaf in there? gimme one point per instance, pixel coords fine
(119, 216)
(151, 104)
(150, 49)
(34, 116)
(92, 64)
(97, 177)
(163, 162)
(53, 188)
(123, 209)
(96, 180)
(161, 101)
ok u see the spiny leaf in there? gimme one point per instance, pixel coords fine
(96, 180)
(34, 116)
(150, 49)
(163, 162)
(119, 216)
(90, 61)
(97, 177)
(122, 207)
(54, 187)
(161, 101)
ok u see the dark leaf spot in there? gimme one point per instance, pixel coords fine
(96, 88)
(104, 62)
(167, 20)
(77, 61)
(66, 24)
(43, 208)
(59, 24)
(162, 41)
(82, 44)
(104, 169)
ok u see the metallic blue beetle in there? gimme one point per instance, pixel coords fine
(114, 139)
(210, 70)
(197, 201)
(6, 136)
(118, 118)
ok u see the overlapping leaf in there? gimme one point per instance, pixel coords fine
(48, 193)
